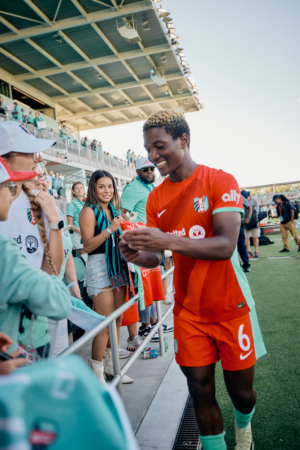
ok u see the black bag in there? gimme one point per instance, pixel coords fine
(253, 221)
(263, 240)
(262, 215)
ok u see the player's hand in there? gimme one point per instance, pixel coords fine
(5, 342)
(146, 239)
(129, 254)
(247, 220)
(115, 224)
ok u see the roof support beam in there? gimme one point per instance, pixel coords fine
(124, 116)
(118, 87)
(74, 46)
(17, 60)
(80, 8)
(9, 25)
(94, 62)
(134, 105)
(132, 8)
(84, 105)
(56, 86)
(38, 12)
(43, 52)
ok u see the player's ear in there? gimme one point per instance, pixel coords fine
(185, 141)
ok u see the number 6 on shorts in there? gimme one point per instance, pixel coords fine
(242, 338)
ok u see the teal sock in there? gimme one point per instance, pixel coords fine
(243, 420)
(216, 442)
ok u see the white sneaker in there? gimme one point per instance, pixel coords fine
(123, 354)
(127, 380)
(168, 299)
(98, 369)
(109, 370)
(243, 438)
(135, 343)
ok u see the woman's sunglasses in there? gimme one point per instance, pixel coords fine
(11, 186)
(145, 170)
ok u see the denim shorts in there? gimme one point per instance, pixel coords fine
(97, 275)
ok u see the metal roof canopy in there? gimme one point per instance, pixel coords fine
(72, 51)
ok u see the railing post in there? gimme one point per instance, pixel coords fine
(160, 330)
(115, 352)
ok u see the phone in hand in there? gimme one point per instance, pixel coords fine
(4, 356)
(132, 217)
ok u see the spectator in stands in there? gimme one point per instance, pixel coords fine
(73, 212)
(84, 142)
(65, 134)
(296, 215)
(106, 276)
(20, 282)
(30, 118)
(57, 184)
(94, 145)
(16, 113)
(23, 115)
(134, 199)
(2, 107)
(36, 120)
(252, 228)
(128, 157)
(285, 212)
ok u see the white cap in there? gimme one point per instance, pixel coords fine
(14, 137)
(142, 163)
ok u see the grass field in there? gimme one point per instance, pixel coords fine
(275, 287)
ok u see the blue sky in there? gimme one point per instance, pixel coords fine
(244, 57)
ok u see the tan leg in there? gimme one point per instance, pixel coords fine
(104, 305)
(284, 235)
(132, 331)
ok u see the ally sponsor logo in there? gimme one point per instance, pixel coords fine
(201, 204)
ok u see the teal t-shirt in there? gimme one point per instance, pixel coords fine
(72, 211)
(17, 113)
(60, 405)
(134, 198)
(30, 118)
(20, 282)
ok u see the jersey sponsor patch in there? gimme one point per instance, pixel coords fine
(30, 216)
(201, 204)
(197, 232)
(31, 244)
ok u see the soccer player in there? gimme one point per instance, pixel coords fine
(196, 213)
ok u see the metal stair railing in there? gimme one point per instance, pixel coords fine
(111, 322)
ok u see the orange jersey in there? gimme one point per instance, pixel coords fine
(206, 291)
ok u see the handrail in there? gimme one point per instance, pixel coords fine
(111, 322)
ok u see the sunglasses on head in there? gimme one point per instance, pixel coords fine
(145, 170)
(11, 186)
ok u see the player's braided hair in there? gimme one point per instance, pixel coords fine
(170, 119)
(40, 221)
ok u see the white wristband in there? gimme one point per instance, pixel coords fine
(107, 229)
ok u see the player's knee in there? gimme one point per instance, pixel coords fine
(243, 396)
(201, 390)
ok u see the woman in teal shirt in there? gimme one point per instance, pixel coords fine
(17, 114)
(73, 212)
(20, 282)
(30, 118)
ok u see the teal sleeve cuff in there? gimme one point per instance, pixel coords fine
(229, 209)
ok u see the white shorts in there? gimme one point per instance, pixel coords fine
(77, 241)
(255, 233)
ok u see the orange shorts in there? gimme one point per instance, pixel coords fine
(238, 343)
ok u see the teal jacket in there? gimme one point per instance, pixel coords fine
(22, 283)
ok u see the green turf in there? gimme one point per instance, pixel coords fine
(275, 287)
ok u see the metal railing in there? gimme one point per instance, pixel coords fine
(76, 152)
(111, 322)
